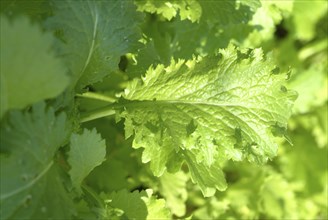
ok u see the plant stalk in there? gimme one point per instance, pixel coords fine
(98, 113)
(97, 96)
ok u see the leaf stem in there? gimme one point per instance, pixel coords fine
(97, 96)
(28, 185)
(98, 113)
(110, 109)
(93, 195)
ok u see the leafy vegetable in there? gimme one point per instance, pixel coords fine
(151, 109)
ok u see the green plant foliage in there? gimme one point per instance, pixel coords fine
(153, 109)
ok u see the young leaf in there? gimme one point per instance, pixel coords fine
(205, 111)
(95, 34)
(137, 205)
(87, 151)
(29, 71)
(31, 187)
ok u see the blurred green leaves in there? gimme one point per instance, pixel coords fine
(30, 71)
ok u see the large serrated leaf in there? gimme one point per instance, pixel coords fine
(207, 110)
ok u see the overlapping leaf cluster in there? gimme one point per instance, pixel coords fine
(197, 95)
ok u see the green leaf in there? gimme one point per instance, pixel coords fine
(88, 151)
(95, 34)
(207, 38)
(156, 207)
(146, 56)
(31, 185)
(320, 125)
(137, 205)
(29, 70)
(207, 110)
(266, 18)
(111, 175)
(213, 209)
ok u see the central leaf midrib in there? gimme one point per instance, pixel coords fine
(177, 102)
(92, 46)
(188, 102)
(29, 184)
